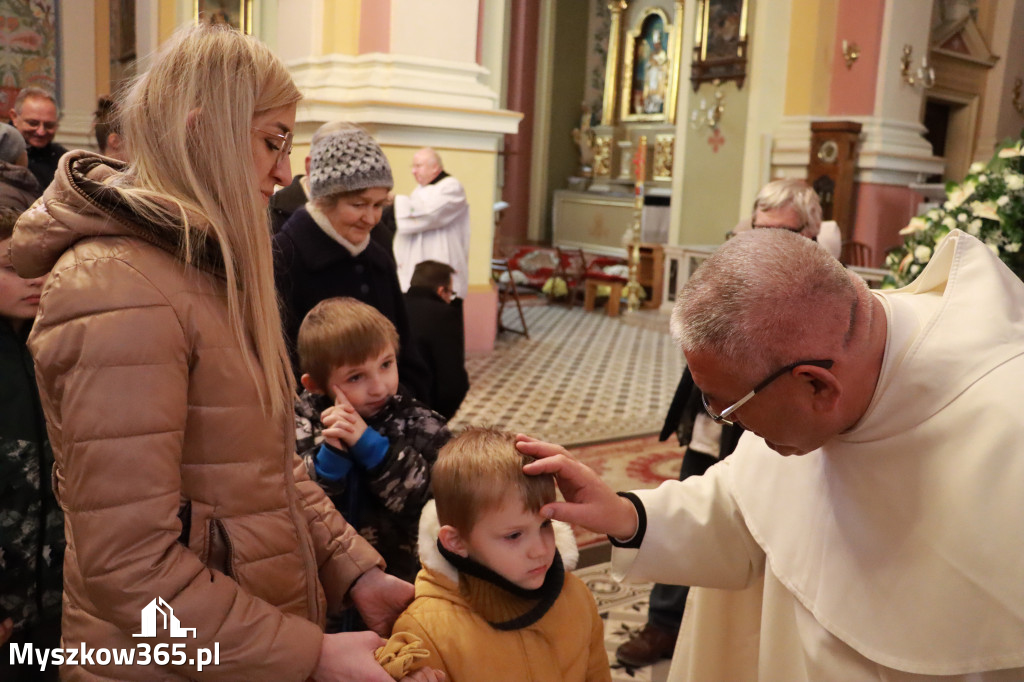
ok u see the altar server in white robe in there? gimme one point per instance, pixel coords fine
(433, 222)
(870, 526)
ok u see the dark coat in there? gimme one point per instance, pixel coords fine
(438, 330)
(42, 161)
(31, 523)
(309, 267)
(18, 187)
(286, 201)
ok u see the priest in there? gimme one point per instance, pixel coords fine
(432, 222)
(869, 525)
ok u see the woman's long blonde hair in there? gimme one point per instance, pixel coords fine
(187, 124)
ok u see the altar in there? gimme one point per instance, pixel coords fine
(597, 222)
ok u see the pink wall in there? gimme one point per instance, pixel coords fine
(480, 314)
(375, 26)
(852, 90)
(880, 212)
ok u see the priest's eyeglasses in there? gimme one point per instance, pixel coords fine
(723, 416)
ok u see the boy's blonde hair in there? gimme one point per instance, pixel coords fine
(476, 471)
(342, 331)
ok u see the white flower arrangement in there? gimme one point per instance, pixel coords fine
(988, 204)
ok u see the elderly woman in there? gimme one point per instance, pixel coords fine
(793, 205)
(324, 250)
(168, 397)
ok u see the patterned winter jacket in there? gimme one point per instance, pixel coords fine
(383, 503)
(31, 523)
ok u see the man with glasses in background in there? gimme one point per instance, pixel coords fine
(37, 118)
(885, 542)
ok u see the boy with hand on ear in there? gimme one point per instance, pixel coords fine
(494, 599)
(369, 445)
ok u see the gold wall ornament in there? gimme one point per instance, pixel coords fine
(664, 150)
(648, 66)
(677, 60)
(705, 116)
(1017, 104)
(611, 66)
(584, 139)
(602, 156)
(851, 53)
(924, 76)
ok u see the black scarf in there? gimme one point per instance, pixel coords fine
(545, 595)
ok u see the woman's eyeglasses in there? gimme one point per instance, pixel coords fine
(279, 142)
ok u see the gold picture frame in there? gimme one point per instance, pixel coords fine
(650, 74)
(234, 13)
(720, 43)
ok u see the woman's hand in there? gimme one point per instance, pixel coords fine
(380, 599)
(350, 656)
(589, 502)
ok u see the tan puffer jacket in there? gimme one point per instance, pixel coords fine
(174, 483)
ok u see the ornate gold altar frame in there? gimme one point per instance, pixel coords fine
(236, 13)
(619, 82)
(720, 44)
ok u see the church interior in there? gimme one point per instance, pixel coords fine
(547, 109)
(597, 133)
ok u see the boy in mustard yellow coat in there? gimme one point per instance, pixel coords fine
(494, 599)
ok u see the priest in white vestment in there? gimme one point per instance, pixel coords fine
(871, 524)
(433, 222)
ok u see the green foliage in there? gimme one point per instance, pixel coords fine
(988, 204)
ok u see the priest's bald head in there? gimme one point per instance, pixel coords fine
(781, 339)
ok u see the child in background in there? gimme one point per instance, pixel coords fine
(31, 523)
(370, 446)
(494, 599)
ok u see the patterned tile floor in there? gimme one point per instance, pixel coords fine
(624, 609)
(580, 377)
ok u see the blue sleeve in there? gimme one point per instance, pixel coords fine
(332, 464)
(370, 449)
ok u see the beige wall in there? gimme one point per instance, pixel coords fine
(439, 30)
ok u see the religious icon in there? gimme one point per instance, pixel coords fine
(720, 46)
(650, 69)
(234, 13)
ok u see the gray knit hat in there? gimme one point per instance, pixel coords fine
(12, 143)
(346, 160)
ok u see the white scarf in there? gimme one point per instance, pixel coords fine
(325, 224)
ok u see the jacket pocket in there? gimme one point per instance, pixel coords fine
(185, 518)
(220, 554)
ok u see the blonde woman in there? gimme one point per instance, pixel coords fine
(168, 395)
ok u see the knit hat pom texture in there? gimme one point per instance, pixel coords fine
(347, 161)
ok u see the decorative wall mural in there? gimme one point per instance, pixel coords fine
(28, 48)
